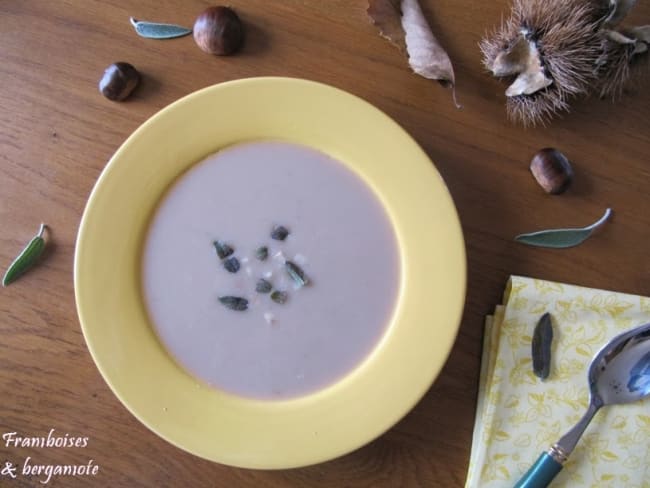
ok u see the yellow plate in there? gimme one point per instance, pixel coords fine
(254, 433)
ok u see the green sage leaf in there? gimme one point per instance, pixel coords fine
(223, 249)
(279, 233)
(27, 257)
(296, 273)
(238, 304)
(262, 253)
(156, 30)
(263, 286)
(562, 238)
(279, 297)
(541, 346)
(231, 264)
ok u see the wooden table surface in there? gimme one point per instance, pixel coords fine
(57, 132)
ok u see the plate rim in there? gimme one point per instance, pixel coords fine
(82, 237)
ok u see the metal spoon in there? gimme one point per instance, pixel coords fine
(618, 373)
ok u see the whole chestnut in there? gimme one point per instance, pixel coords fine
(552, 170)
(218, 30)
(118, 81)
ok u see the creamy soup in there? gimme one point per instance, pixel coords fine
(291, 323)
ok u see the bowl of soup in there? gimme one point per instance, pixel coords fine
(270, 273)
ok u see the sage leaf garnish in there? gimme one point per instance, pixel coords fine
(296, 273)
(27, 257)
(541, 346)
(279, 233)
(562, 238)
(234, 303)
(231, 264)
(156, 30)
(262, 253)
(279, 297)
(263, 286)
(223, 249)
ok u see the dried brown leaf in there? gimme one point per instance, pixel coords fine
(387, 16)
(426, 56)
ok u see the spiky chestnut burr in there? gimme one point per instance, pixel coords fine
(556, 50)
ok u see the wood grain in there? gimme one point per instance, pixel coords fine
(57, 132)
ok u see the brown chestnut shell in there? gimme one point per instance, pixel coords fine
(219, 31)
(118, 81)
(552, 170)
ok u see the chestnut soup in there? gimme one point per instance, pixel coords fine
(270, 270)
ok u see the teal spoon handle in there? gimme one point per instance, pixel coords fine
(549, 464)
(541, 473)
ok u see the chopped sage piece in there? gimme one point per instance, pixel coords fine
(279, 296)
(279, 233)
(541, 346)
(263, 286)
(231, 264)
(223, 249)
(296, 273)
(234, 303)
(27, 257)
(262, 253)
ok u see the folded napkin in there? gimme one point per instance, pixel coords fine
(518, 415)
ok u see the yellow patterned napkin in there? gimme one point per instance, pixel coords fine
(518, 415)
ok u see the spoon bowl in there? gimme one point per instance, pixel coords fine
(618, 373)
